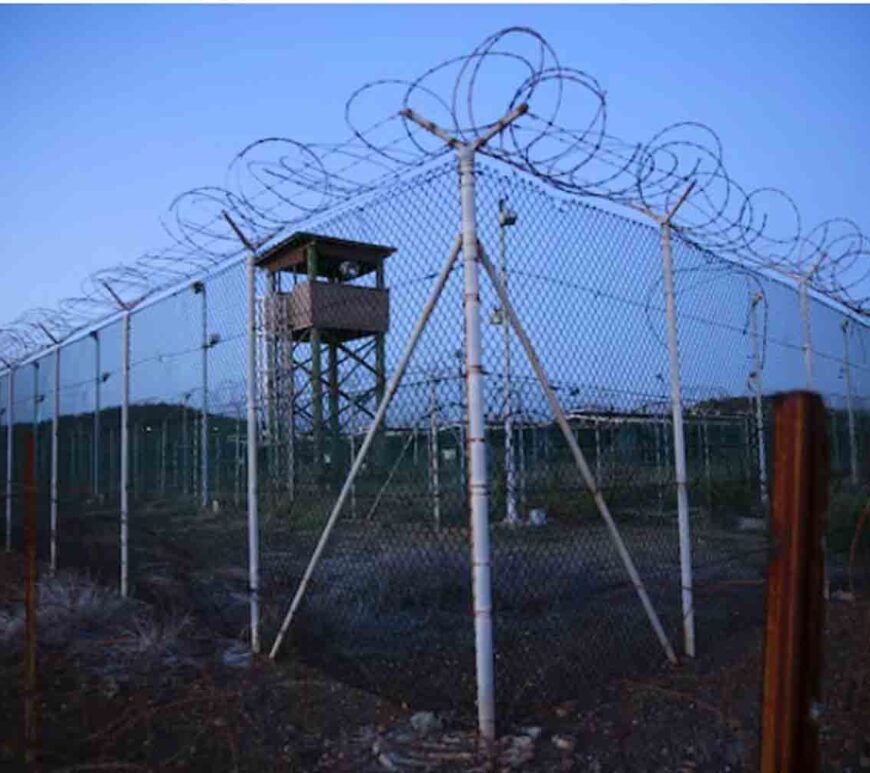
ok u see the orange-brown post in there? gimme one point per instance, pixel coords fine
(30, 570)
(795, 611)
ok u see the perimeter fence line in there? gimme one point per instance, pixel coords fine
(390, 583)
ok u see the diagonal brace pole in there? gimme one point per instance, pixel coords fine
(374, 426)
(579, 459)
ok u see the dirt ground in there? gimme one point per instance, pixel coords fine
(124, 686)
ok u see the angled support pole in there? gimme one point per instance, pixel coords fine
(478, 486)
(664, 223)
(580, 460)
(360, 456)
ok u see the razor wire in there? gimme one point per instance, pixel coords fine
(564, 140)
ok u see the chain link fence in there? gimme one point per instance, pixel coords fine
(389, 605)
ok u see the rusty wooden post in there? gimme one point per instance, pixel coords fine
(795, 607)
(30, 518)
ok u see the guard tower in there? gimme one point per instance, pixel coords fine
(325, 296)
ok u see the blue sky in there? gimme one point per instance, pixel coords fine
(108, 112)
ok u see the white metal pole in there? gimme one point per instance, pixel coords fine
(253, 504)
(679, 445)
(847, 367)
(10, 446)
(390, 391)
(434, 461)
(97, 384)
(204, 421)
(55, 439)
(582, 465)
(463, 449)
(757, 383)
(505, 218)
(805, 328)
(125, 450)
(478, 489)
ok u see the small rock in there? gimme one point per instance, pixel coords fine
(386, 762)
(532, 731)
(425, 722)
(564, 743)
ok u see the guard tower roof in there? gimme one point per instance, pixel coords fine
(290, 255)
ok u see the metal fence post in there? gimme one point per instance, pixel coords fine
(795, 606)
(434, 461)
(664, 223)
(125, 445)
(55, 439)
(251, 402)
(10, 447)
(478, 488)
(98, 378)
(757, 375)
(847, 373)
(806, 329)
(679, 443)
(200, 288)
(253, 512)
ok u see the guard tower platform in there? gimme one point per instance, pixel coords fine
(327, 302)
(315, 305)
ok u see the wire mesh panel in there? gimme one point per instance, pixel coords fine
(389, 604)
